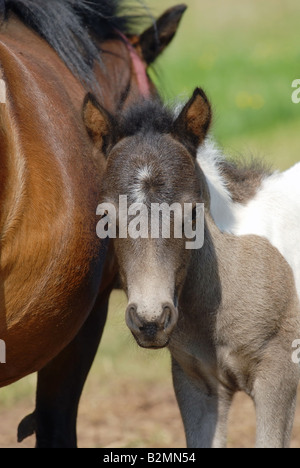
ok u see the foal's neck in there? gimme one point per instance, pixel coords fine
(202, 288)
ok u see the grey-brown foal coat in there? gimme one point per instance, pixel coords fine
(228, 312)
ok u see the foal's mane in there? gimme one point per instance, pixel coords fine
(146, 116)
(72, 27)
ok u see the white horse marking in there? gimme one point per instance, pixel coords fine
(274, 212)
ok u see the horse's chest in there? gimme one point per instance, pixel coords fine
(209, 367)
(198, 363)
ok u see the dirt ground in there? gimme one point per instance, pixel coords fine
(138, 417)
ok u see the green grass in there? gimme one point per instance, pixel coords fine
(24, 389)
(246, 56)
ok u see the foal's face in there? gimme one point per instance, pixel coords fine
(152, 167)
(152, 170)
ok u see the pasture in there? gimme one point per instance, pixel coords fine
(245, 55)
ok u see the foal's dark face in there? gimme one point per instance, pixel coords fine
(150, 166)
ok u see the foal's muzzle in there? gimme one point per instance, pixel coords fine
(153, 333)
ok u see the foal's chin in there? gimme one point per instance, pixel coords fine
(146, 344)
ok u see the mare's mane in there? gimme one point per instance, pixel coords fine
(72, 27)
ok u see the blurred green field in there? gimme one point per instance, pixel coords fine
(245, 54)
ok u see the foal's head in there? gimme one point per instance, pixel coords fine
(151, 158)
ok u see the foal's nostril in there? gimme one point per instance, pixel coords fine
(169, 317)
(166, 317)
(132, 318)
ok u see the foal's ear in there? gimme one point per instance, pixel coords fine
(194, 120)
(98, 122)
(155, 39)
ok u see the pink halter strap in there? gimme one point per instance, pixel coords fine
(139, 68)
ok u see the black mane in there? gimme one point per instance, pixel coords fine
(70, 25)
(149, 116)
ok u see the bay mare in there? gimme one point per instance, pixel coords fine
(228, 312)
(55, 273)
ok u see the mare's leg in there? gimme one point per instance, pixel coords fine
(61, 382)
(275, 394)
(204, 412)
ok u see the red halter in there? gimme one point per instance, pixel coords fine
(139, 68)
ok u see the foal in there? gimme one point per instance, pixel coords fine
(228, 312)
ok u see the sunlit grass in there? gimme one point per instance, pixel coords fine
(18, 391)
